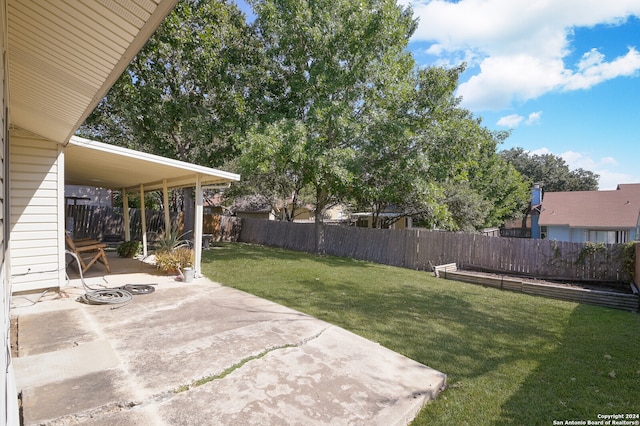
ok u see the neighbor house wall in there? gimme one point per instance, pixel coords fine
(579, 235)
(256, 215)
(37, 213)
(87, 196)
(558, 233)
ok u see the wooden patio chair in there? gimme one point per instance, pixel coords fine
(89, 252)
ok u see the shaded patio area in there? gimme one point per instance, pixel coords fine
(201, 353)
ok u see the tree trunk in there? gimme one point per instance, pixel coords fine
(321, 203)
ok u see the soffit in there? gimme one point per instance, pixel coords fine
(97, 164)
(64, 55)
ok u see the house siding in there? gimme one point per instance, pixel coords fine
(9, 414)
(559, 233)
(579, 235)
(37, 213)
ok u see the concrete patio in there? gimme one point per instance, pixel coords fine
(201, 354)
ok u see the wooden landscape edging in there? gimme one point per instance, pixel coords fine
(624, 301)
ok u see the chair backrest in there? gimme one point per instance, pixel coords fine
(69, 241)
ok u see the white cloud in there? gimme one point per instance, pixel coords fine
(604, 167)
(512, 120)
(534, 118)
(540, 151)
(611, 179)
(505, 79)
(593, 69)
(579, 160)
(520, 46)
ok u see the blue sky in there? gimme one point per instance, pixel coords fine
(563, 75)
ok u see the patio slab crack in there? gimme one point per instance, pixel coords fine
(120, 406)
(242, 362)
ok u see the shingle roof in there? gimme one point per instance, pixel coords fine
(593, 209)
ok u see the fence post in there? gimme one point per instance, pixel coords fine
(636, 275)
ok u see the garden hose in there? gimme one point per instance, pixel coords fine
(106, 296)
(119, 296)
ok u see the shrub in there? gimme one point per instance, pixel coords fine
(629, 258)
(129, 249)
(176, 259)
(590, 248)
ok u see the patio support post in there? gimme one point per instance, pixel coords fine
(143, 219)
(127, 219)
(165, 202)
(197, 226)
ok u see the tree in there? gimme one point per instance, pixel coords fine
(186, 94)
(551, 171)
(355, 121)
(416, 141)
(468, 209)
(498, 181)
(326, 59)
(274, 164)
(322, 101)
(390, 168)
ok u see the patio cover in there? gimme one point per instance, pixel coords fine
(97, 164)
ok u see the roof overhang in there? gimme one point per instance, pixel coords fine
(97, 164)
(64, 56)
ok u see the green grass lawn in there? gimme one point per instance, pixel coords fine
(511, 359)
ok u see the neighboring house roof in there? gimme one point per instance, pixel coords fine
(251, 204)
(383, 214)
(99, 164)
(615, 209)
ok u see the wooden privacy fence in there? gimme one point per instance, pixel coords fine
(423, 249)
(107, 223)
(221, 228)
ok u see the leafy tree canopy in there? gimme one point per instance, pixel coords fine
(354, 120)
(551, 171)
(186, 94)
(327, 60)
(314, 102)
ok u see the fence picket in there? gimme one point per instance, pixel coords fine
(422, 249)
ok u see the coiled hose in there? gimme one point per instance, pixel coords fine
(119, 296)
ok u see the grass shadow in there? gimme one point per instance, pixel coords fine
(595, 369)
(506, 354)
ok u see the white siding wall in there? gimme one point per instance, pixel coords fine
(37, 222)
(8, 391)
